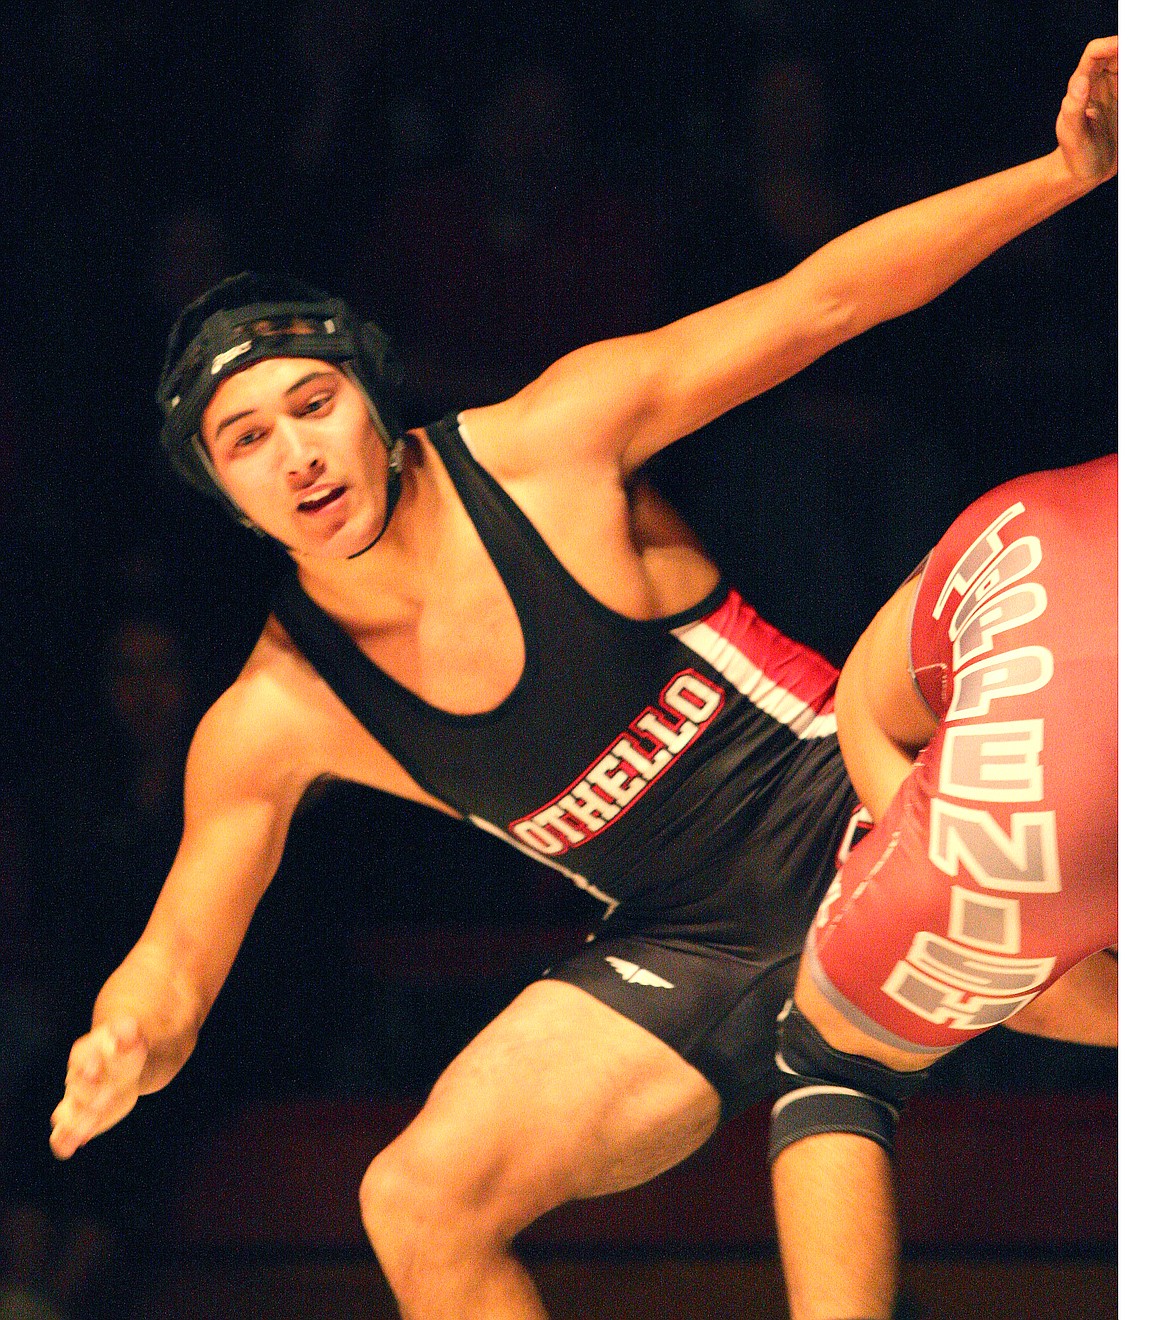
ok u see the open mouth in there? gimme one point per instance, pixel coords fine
(321, 499)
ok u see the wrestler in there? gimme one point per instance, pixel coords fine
(988, 891)
(493, 616)
(978, 717)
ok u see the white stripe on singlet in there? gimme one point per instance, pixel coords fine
(765, 693)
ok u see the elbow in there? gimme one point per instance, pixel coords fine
(832, 307)
(839, 318)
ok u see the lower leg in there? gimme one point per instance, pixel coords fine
(479, 1280)
(836, 1216)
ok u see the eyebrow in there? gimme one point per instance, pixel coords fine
(247, 412)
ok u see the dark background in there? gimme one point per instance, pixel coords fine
(495, 183)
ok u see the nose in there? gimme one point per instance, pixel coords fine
(302, 456)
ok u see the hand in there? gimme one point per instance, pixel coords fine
(101, 1084)
(1086, 127)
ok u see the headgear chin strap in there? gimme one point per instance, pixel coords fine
(246, 319)
(393, 487)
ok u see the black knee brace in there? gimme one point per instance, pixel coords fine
(825, 1090)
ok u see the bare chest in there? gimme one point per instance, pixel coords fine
(462, 647)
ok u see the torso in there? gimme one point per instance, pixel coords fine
(449, 632)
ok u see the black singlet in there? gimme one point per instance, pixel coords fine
(684, 770)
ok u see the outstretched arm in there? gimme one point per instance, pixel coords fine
(149, 1012)
(634, 396)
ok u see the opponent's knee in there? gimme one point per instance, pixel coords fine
(823, 1089)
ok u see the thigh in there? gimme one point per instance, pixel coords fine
(715, 1009)
(995, 869)
(559, 1098)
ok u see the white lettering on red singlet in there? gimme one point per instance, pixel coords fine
(626, 769)
(993, 762)
(1023, 861)
(1010, 565)
(967, 572)
(1019, 606)
(1012, 674)
(974, 976)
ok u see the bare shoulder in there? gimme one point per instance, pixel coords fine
(280, 727)
(262, 734)
(581, 412)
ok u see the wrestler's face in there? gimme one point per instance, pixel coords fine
(293, 443)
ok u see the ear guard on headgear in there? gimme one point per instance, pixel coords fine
(235, 335)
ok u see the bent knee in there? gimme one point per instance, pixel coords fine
(407, 1212)
(425, 1188)
(408, 1185)
(386, 1188)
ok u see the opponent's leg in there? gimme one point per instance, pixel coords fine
(992, 873)
(833, 1189)
(558, 1098)
(1080, 1007)
(838, 1226)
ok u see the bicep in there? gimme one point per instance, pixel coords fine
(882, 722)
(625, 399)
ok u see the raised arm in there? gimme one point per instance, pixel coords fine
(240, 796)
(636, 395)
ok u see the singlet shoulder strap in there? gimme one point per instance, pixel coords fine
(530, 570)
(383, 706)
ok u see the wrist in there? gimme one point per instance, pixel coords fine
(1067, 185)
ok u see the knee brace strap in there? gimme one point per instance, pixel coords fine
(825, 1090)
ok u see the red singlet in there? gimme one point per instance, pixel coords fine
(995, 869)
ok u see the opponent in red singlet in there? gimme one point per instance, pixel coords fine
(995, 868)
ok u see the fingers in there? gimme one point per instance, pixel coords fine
(101, 1084)
(71, 1129)
(1086, 128)
(1092, 89)
(1077, 105)
(1097, 69)
(1099, 54)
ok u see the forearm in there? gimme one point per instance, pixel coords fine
(637, 395)
(901, 260)
(148, 988)
(697, 368)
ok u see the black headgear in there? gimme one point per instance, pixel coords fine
(245, 319)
